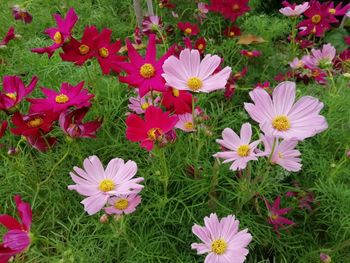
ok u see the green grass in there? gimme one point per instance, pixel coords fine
(160, 229)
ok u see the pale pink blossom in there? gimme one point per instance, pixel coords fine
(320, 58)
(188, 72)
(295, 10)
(123, 204)
(297, 63)
(238, 150)
(185, 122)
(281, 117)
(139, 105)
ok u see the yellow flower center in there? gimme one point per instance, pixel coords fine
(57, 37)
(232, 34)
(12, 96)
(219, 246)
(145, 105)
(62, 98)
(200, 46)
(84, 49)
(103, 52)
(235, 7)
(188, 125)
(194, 83)
(316, 19)
(36, 122)
(280, 155)
(121, 204)
(243, 150)
(154, 133)
(188, 31)
(147, 71)
(332, 11)
(176, 92)
(106, 185)
(274, 216)
(249, 53)
(281, 123)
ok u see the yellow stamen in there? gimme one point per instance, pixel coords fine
(103, 52)
(106, 185)
(176, 92)
(281, 123)
(200, 46)
(274, 217)
(12, 96)
(121, 204)
(36, 122)
(188, 31)
(249, 53)
(62, 98)
(316, 19)
(57, 37)
(188, 125)
(147, 71)
(154, 133)
(280, 155)
(235, 7)
(84, 49)
(219, 246)
(194, 83)
(332, 11)
(243, 150)
(232, 34)
(145, 105)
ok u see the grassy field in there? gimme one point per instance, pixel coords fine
(160, 229)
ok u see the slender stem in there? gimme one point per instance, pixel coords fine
(45, 140)
(165, 171)
(213, 184)
(273, 149)
(88, 72)
(293, 36)
(330, 75)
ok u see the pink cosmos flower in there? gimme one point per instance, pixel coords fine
(297, 63)
(189, 73)
(14, 91)
(320, 58)
(251, 54)
(275, 215)
(145, 73)
(60, 34)
(151, 24)
(17, 239)
(71, 123)
(238, 150)
(123, 204)
(338, 10)
(68, 96)
(185, 122)
(99, 184)
(348, 13)
(139, 105)
(294, 9)
(284, 154)
(188, 28)
(221, 240)
(278, 117)
(8, 37)
(151, 129)
(21, 14)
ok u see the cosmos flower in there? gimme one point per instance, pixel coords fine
(202, 9)
(139, 105)
(14, 91)
(99, 184)
(71, 123)
(275, 213)
(293, 9)
(188, 29)
(166, 4)
(151, 25)
(251, 54)
(177, 101)
(151, 129)
(68, 96)
(185, 122)
(8, 37)
(280, 117)
(123, 204)
(297, 63)
(145, 73)
(21, 14)
(17, 239)
(41, 142)
(221, 240)
(189, 73)
(3, 128)
(232, 31)
(238, 150)
(60, 34)
(284, 153)
(338, 10)
(320, 58)
(265, 85)
(230, 9)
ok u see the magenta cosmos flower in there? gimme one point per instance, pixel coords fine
(14, 91)
(238, 150)
(284, 153)
(99, 184)
(21, 14)
(145, 73)
(123, 204)
(17, 239)
(151, 129)
(221, 240)
(320, 58)
(189, 73)
(280, 117)
(60, 34)
(68, 96)
(8, 37)
(293, 9)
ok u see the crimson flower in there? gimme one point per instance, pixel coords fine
(21, 14)
(42, 142)
(336, 11)
(71, 123)
(251, 54)
(17, 239)
(60, 34)
(177, 101)
(275, 215)
(14, 91)
(200, 44)
(8, 37)
(232, 31)
(166, 4)
(347, 40)
(68, 96)
(151, 129)
(145, 73)
(188, 28)
(230, 9)
(3, 128)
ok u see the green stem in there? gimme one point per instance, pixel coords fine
(273, 149)
(330, 75)
(293, 36)
(213, 184)
(88, 72)
(165, 171)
